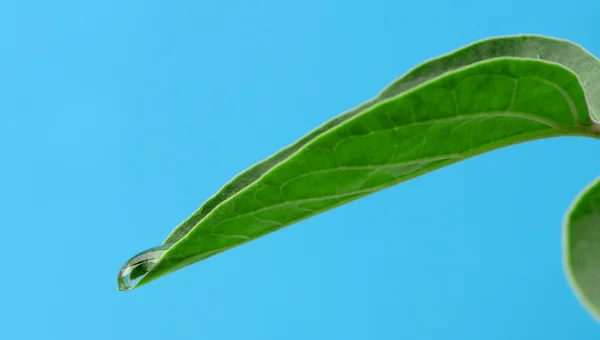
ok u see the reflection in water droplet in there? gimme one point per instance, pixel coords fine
(134, 270)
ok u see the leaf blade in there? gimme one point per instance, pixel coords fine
(581, 247)
(563, 52)
(427, 119)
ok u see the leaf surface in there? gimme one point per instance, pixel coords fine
(581, 242)
(488, 95)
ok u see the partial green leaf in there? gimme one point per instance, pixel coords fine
(488, 95)
(581, 242)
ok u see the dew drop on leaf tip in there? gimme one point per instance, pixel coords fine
(134, 270)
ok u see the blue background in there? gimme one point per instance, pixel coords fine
(119, 118)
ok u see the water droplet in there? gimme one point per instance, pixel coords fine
(134, 270)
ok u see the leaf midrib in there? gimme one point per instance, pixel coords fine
(465, 117)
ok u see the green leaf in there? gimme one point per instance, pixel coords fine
(487, 95)
(581, 242)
